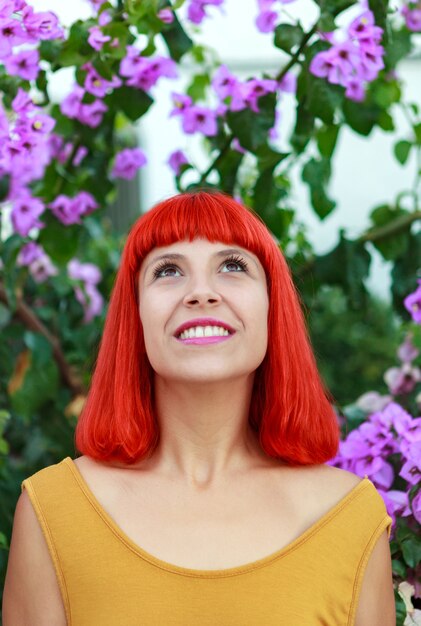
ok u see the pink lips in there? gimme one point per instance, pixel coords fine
(202, 340)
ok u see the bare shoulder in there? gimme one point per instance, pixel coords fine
(31, 592)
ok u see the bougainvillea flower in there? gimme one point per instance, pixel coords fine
(166, 16)
(412, 303)
(92, 114)
(42, 268)
(412, 14)
(127, 162)
(96, 84)
(24, 63)
(97, 38)
(43, 25)
(196, 10)
(26, 210)
(198, 119)
(181, 103)
(224, 82)
(11, 34)
(88, 272)
(29, 253)
(176, 160)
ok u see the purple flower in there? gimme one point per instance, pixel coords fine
(412, 303)
(96, 84)
(42, 268)
(88, 272)
(11, 34)
(92, 114)
(266, 21)
(288, 83)
(29, 253)
(416, 506)
(23, 64)
(412, 14)
(355, 90)
(237, 146)
(81, 153)
(407, 352)
(90, 298)
(176, 160)
(181, 103)
(402, 380)
(97, 38)
(372, 401)
(26, 210)
(22, 102)
(224, 82)
(143, 72)
(196, 9)
(198, 119)
(364, 27)
(69, 210)
(127, 162)
(71, 104)
(42, 25)
(166, 16)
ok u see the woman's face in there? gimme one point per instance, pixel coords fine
(203, 280)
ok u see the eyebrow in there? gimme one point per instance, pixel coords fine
(176, 256)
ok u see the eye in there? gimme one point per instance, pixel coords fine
(159, 270)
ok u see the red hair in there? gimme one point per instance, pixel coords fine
(290, 409)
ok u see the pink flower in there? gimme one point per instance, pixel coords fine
(44, 25)
(266, 21)
(412, 303)
(97, 38)
(23, 64)
(96, 84)
(127, 162)
(176, 160)
(25, 212)
(92, 114)
(197, 119)
(166, 16)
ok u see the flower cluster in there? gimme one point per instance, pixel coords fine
(21, 26)
(143, 72)
(25, 152)
(267, 19)
(367, 451)
(88, 114)
(354, 61)
(38, 262)
(196, 10)
(412, 14)
(88, 296)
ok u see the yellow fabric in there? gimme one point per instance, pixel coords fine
(107, 580)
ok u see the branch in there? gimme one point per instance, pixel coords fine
(217, 160)
(296, 56)
(31, 321)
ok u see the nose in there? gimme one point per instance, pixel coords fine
(201, 295)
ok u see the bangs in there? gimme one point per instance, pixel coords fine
(199, 215)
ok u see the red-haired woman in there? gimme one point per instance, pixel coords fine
(202, 496)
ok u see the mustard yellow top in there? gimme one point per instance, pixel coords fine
(107, 580)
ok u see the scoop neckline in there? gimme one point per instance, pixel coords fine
(212, 573)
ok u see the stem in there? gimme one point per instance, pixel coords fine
(31, 321)
(296, 56)
(217, 160)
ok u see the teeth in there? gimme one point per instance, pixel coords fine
(204, 331)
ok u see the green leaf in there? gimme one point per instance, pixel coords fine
(326, 138)
(76, 48)
(59, 241)
(361, 116)
(304, 127)
(4, 186)
(402, 150)
(404, 273)
(252, 128)
(228, 168)
(379, 8)
(326, 23)
(288, 36)
(411, 551)
(334, 6)
(395, 245)
(197, 88)
(417, 131)
(40, 384)
(347, 266)
(316, 173)
(133, 102)
(323, 98)
(397, 47)
(178, 42)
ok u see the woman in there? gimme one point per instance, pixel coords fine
(202, 496)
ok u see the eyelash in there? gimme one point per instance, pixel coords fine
(231, 259)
